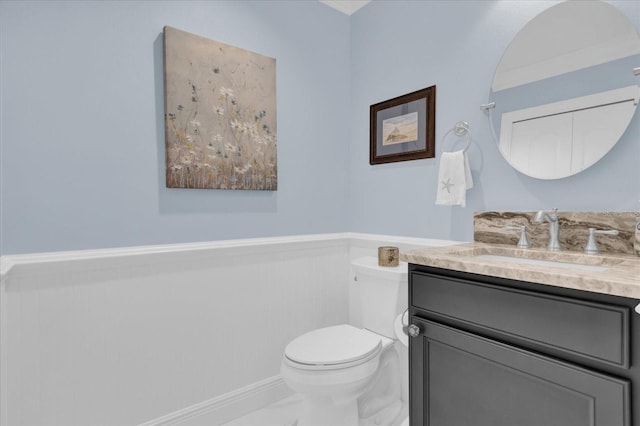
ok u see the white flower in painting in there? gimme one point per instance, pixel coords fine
(212, 157)
(207, 165)
(210, 148)
(176, 168)
(249, 128)
(218, 110)
(186, 161)
(217, 138)
(192, 152)
(195, 123)
(235, 124)
(269, 139)
(240, 170)
(226, 92)
(260, 140)
(229, 147)
(189, 138)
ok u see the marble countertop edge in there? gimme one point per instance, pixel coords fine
(621, 278)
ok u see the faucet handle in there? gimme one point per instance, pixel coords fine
(523, 243)
(592, 244)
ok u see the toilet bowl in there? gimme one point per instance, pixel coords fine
(402, 346)
(332, 367)
(350, 376)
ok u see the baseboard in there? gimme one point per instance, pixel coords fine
(224, 408)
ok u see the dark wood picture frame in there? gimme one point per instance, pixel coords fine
(403, 128)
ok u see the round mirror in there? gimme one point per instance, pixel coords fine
(565, 89)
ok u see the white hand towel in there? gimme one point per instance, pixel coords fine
(454, 178)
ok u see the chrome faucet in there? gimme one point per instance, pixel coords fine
(542, 216)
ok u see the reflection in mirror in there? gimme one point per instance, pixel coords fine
(564, 90)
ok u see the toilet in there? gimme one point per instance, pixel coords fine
(350, 376)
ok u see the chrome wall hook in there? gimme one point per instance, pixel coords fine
(487, 107)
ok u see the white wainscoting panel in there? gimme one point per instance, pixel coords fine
(188, 334)
(122, 337)
(4, 420)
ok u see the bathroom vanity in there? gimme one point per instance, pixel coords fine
(528, 342)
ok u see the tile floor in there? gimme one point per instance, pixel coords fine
(283, 413)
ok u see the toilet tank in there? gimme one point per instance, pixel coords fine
(383, 293)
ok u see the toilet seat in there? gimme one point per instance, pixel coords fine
(331, 348)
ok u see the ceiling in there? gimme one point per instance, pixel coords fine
(346, 6)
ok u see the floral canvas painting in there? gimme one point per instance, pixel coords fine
(220, 115)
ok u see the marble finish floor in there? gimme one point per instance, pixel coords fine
(283, 413)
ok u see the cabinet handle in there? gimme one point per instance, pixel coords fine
(414, 330)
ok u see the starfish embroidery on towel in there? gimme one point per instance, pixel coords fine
(447, 185)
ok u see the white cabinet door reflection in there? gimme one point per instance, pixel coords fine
(564, 138)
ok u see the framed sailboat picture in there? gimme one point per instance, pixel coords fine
(403, 128)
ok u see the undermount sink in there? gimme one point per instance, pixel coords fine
(540, 262)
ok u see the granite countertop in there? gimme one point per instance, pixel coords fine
(619, 274)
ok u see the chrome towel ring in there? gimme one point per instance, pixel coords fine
(461, 128)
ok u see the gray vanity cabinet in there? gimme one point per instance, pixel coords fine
(498, 352)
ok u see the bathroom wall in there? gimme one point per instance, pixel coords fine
(401, 46)
(82, 135)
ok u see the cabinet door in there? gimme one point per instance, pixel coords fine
(461, 379)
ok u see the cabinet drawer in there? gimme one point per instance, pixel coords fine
(595, 331)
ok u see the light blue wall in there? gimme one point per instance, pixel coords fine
(82, 123)
(401, 46)
(82, 142)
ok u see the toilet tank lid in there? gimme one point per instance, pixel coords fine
(334, 345)
(369, 265)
